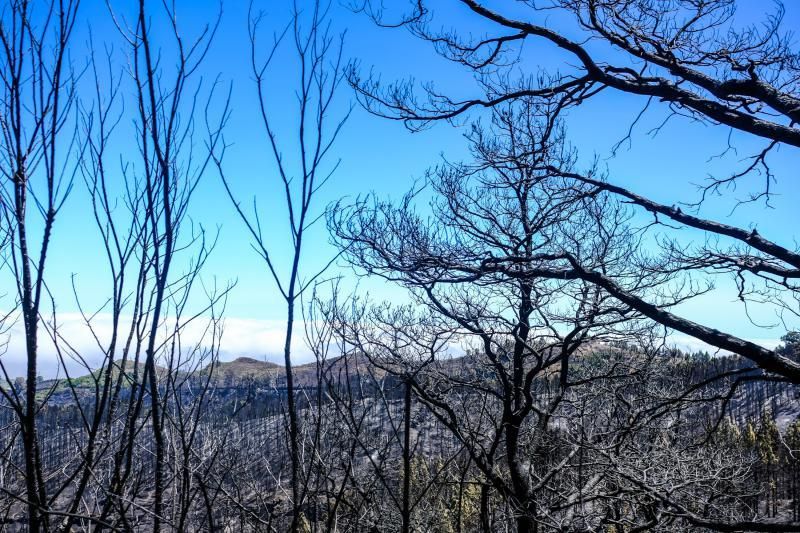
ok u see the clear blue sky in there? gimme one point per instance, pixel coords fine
(381, 156)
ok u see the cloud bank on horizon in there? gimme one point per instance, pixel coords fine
(259, 339)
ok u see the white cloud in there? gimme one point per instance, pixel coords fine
(261, 339)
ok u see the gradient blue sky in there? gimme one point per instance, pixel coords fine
(381, 156)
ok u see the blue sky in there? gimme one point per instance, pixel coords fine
(383, 157)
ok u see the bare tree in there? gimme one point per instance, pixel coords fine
(318, 59)
(37, 107)
(475, 269)
(692, 56)
(170, 171)
(99, 471)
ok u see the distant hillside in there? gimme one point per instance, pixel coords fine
(226, 373)
(245, 368)
(305, 375)
(89, 380)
